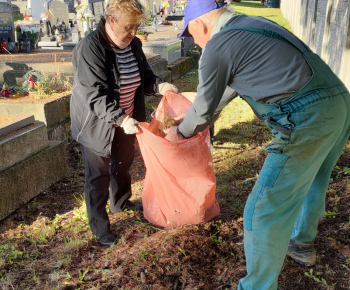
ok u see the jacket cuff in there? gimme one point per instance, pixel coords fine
(179, 134)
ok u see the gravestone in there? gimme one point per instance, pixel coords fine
(338, 34)
(70, 4)
(6, 20)
(37, 7)
(98, 10)
(59, 11)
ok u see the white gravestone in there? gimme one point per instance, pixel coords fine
(98, 11)
(37, 7)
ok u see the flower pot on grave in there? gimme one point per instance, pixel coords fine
(143, 38)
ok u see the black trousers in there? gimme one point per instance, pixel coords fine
(108, 178)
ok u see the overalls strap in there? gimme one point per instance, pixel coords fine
(266, 33)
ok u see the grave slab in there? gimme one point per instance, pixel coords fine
(68, 46)
(48, 43)
(22, 143)
(179, 68)
(170, 50)
(159, 66)
(25, 180)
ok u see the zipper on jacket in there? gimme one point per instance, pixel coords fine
(111, 143)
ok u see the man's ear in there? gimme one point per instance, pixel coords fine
(201, 26)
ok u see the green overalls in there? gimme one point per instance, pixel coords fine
(310, 130)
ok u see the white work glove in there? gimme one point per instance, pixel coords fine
(130, 125)
(163, 87)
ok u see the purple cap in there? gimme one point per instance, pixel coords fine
(194, 9)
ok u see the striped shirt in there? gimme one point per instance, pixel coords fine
(130, 78)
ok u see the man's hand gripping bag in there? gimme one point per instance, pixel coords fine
(179, 187)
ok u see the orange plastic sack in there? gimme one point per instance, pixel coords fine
(179, 187)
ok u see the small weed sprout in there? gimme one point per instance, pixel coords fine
(54, 277)
(182, 251)
(82, 275)
(144, 253)
(63, 261)
(6, 282)
(73, 244)
(315, 278)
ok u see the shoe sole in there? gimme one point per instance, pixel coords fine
(296, 260)
(106, 244)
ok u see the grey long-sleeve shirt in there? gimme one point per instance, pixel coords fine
(265, 69)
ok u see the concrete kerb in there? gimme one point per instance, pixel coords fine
(25, 180)
(55, 113)
(11, 127)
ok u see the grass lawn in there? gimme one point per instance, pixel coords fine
(47, 243)
(255, 8)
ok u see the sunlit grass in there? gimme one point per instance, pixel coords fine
(256, 8)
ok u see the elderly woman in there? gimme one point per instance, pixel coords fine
(111, 79)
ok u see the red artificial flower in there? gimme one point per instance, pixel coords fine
(5, 93)
(31, 84)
